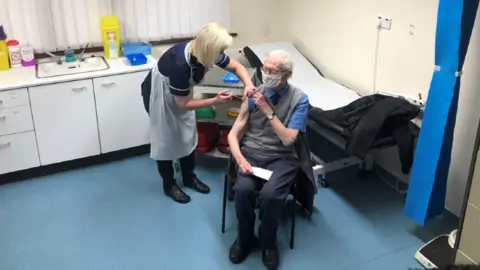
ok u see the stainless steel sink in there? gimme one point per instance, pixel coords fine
(52, 68)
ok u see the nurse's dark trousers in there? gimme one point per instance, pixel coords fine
(271, 196)
(165, 167)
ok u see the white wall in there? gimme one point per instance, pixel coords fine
(339, 36)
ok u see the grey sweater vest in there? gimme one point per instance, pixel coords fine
(259, 135)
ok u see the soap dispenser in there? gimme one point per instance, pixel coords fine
(4, 63)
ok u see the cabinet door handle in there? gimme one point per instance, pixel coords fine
(108, 84)
(79, 89)
(4, 145)
(3, 118)
(1, 102)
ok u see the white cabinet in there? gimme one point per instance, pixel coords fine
(65, 121)
(122, 120)
(18, 152)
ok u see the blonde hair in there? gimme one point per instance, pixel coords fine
(209, 43)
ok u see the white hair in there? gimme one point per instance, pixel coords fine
(287, 63)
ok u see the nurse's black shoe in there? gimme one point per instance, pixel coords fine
(271, 258)
(197, 185)
(177, 194)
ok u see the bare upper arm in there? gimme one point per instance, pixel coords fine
(182, 100)
(241, 120)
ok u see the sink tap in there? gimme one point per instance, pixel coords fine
(59, 58)
(82, 58)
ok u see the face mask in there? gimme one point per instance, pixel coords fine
(271, 81)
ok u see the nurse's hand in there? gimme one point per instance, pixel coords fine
(249, 91)
(223, 96)
(245, 167)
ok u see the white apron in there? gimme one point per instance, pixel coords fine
(173, 130)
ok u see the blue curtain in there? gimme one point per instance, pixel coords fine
(428, 180)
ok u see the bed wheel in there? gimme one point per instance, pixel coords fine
(324, 183)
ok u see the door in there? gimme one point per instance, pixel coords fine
(122, 120)
(65, 121)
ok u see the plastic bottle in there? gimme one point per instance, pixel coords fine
(14, 53)
(28, 55)
(4, 64)
(69, 55)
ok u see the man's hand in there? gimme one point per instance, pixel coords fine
(250, 89)
(262, 103)
(245, 167)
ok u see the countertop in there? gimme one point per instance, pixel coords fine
(26, 77)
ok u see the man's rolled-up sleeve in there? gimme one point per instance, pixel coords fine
(298, 121)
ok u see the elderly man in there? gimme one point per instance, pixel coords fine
(263, 136)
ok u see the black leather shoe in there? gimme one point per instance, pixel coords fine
(271, 258)
(197, 185)
(176, 194)
(238, 253)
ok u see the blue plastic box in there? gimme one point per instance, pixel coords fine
(137, 59)
(230, 78)
(144, 48)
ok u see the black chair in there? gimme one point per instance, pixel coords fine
(229, 181)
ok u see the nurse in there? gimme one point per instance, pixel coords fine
(167, 96)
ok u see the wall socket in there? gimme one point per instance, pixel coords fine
(384, 22)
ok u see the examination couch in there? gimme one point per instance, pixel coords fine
(343, 121)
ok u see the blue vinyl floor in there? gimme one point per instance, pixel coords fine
(115, 217)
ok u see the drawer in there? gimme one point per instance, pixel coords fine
(15, 120)
(18, 152)
(470, 234)
(13, 98)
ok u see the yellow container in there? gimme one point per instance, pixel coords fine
(4, 62)
(110, 36)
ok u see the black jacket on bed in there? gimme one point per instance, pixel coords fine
(372, 118)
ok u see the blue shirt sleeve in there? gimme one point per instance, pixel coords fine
(180, 81)
(298, 121)
(251, 104)
(223, 61)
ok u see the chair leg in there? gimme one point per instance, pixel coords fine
(225, 185)
(292, 229)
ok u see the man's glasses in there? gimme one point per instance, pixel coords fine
(271, 71)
